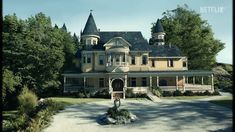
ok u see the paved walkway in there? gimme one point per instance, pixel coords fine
(168, 115)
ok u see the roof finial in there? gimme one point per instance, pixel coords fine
(91, 11)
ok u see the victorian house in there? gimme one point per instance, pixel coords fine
(118, 61)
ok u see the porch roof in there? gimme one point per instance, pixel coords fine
(172, 73)
(142, 73)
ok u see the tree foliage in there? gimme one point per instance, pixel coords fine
(186, 29)
(36, 51)
(9, 83)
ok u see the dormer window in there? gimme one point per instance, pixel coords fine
(170, 63)
(88, 59)
(88, 41)
(133, 60)
(117, 59)
(153, 63)
(84, 59)
(101, 59)
(94, 42)
(123, 59)
(184, 64)
(144, 59)
(160, 36)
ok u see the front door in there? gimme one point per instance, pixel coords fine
(117, 85)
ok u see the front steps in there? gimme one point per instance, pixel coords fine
(153, 97)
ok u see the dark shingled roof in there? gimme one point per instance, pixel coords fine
(165, 51)
(135, 38)
(90, 27)
(158, 28)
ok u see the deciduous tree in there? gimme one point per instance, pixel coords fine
(186, 29)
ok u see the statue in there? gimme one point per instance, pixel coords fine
(117, 103)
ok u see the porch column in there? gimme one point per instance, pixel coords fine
(114, 60)
(212, 82)
(176, 82)
(184, 83)
(125, 87)
(84, 82)
(125, 84)
(157, 81)
(64, 82)
(202, 80)
(187, 79)
(193, 80)
(125, 58)
(150, 82)
(110, 88)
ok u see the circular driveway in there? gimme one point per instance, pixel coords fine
(168, 115)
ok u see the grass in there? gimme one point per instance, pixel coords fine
(71, 101)
(8, 115)
(186, 97)
(225, 101)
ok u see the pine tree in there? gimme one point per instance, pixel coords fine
(64, 27)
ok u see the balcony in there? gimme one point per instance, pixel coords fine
(117, 67)
(117, 62)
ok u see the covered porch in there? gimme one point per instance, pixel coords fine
(196, 81)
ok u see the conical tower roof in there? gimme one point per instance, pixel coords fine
(90, 27)
(158, 28)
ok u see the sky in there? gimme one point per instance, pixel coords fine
(127, 15)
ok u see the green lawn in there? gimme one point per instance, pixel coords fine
(226, 102)
(71, 101)
(186, 97)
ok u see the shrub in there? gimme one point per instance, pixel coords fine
(199, 93)
(80, 95)
(43, 114)
(177, 93)
(114, 113)
(188, 93)
(167, 93)
(87, 95)
(102, 94)
(39, 118)
(143, 95)
(21, 122)
(157, 91)
(207, 93)
(125, 113)
(216, 93)
(129, 93)
(27, 101)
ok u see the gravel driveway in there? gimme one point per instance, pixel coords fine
(168, 115)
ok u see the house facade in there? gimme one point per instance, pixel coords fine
(118, 61)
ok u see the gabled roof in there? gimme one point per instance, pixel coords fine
(134, 38)
(158, 28)
(165, 51)
(90, 27)
(117, 40)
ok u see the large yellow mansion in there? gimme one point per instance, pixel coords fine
(118, 61)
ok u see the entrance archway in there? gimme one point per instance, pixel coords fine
(117, 85)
